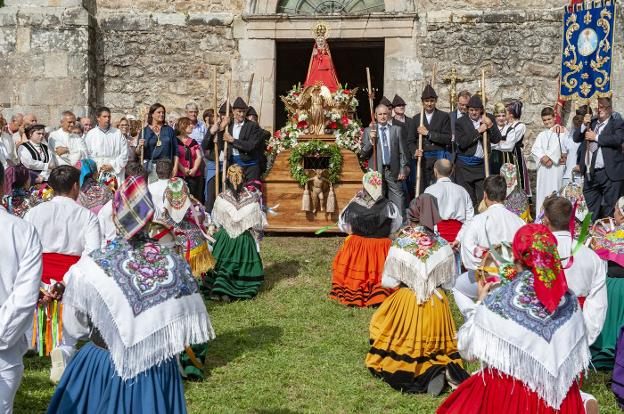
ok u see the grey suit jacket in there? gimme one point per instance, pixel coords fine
(398, 152)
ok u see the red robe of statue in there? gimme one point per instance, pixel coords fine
(322, 69)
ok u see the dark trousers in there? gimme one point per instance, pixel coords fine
(471, 177)
(210, 193)
(196, 187)
(601, 194)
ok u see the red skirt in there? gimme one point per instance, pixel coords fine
(55, 265)
(358, 267)
(491, 392)
(448, 229)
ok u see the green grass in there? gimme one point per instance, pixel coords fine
(290, 350)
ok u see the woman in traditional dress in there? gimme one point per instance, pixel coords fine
(17, 196)
(93, 194)
(369, 219)
(150, 312)
(512, 143)
(496, 156)
(238, 272)
(516, 201)
(36, 155)
(412, 334)
(608, 243)
(529, 336)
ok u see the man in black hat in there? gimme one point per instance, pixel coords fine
(244, 138)
(398, 105)
(252, 115)
(470, 168)
(436, 132)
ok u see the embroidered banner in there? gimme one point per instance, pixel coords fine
(587, 47)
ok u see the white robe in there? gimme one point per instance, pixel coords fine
(157, 189)
(454, 202)
(110, 148)
(587, 277)
(513, 136)
(108, 231)
(8, 149)
(549, 179)
(74, 143)
(20, 275)
(572, 148)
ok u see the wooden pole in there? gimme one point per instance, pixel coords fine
(486, 152)
(372, 114)
(420, 142)
(225, 145)
(142, 119)
(216, 120)
(261, 99)
(249, 89)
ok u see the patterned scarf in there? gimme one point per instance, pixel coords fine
(132, 207)
(177, 199)
(87, 168)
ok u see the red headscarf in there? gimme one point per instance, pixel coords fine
(536, 248)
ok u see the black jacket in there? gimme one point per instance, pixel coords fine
(439, 137)
(249, 143)
(467, 137)
(611, 142)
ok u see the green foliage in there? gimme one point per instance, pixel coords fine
(290, 350)
(315, 149)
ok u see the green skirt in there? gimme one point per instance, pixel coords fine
(238, 271)
(603, 350)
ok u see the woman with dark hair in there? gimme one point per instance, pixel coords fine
(17, 197)
(238, 271)
(528, 334)
(159, 141)
(511, 143)
(35, 155)
(189, 159)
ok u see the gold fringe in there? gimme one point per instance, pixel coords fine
(201, 260)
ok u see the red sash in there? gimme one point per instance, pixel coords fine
(55, 265)
(448, 229)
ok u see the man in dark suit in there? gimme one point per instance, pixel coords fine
(469, 168)
(601, 159)
(391, 155)
(436, 132)
(462, 109)
(252, 115)
(244, 140)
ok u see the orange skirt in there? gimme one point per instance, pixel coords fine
(358, 267)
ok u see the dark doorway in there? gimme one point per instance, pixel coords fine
(351, 57)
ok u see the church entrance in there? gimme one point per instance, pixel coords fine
(350, 58)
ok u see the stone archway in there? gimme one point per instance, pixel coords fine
(268, 7)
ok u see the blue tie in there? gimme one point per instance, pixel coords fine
(385, 148)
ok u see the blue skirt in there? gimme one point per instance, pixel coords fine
(90, 386)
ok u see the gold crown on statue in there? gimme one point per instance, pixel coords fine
(320, 30)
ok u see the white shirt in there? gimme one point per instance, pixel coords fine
(108, 147)
(157, 189)
(74, 143)
(8, 149)
(429, 116)
(29, 162)
(236, 130)
(479, 151)
(454, 202)
(108, 231)
(599, 159)
(587, 278)
(20, 277)
(514, 132)
(65, 227)
(496, 224)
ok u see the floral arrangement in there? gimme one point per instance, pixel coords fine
(315, 149)
(417, 242)
(348, 131)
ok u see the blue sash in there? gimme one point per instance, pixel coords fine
(438, 154)
(470, 161)
(237, 160)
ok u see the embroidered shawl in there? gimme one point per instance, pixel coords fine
(238, 215)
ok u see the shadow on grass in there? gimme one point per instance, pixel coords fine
(229, 346)
(278, 271)
(273, 411)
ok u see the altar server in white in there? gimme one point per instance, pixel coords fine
(68, 147)
(550, 152)
(493, 226)
(67, 231)
(20, 274)
(107, 146)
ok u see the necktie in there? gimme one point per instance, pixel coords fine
(385, 147)
(593, 145)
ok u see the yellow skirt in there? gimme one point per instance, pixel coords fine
(411, 343)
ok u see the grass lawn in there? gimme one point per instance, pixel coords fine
(290, 350)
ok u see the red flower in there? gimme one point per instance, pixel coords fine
(269, 149)
(345, 121)
(277, 134)
(346, 91)
(365, 164)
(302, 124)
(333, 125)
(295, 93)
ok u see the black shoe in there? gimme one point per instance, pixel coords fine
(436, 385)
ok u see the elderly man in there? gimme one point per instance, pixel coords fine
(19, 137)
(107, 146)
(68, 147)
(87, 125)
(7, 146)
(20, 275)
(199, 128)
(463, 98)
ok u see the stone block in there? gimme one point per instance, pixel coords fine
(45, 40)
(117, 100)
(210, 19)
(125, 22)
(8, 40)
(171, 19)
(56, 65)
(8, 16)
(52, 92)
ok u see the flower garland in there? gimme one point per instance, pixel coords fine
(315, 149)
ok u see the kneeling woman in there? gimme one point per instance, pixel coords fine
(529, 335)
(412, 334)
(369, 219)
(238, 271)
(139, 305)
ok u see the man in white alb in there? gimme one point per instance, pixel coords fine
(20, 275)
(68, 147)
(107, 146)
(67, 231)
(493, 226)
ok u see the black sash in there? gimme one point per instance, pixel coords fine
(35, 154)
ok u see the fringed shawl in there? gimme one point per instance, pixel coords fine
(143, 300)
(515, 334)
(238, 215)
(420, 259)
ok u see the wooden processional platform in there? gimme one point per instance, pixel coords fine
(280, 188)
